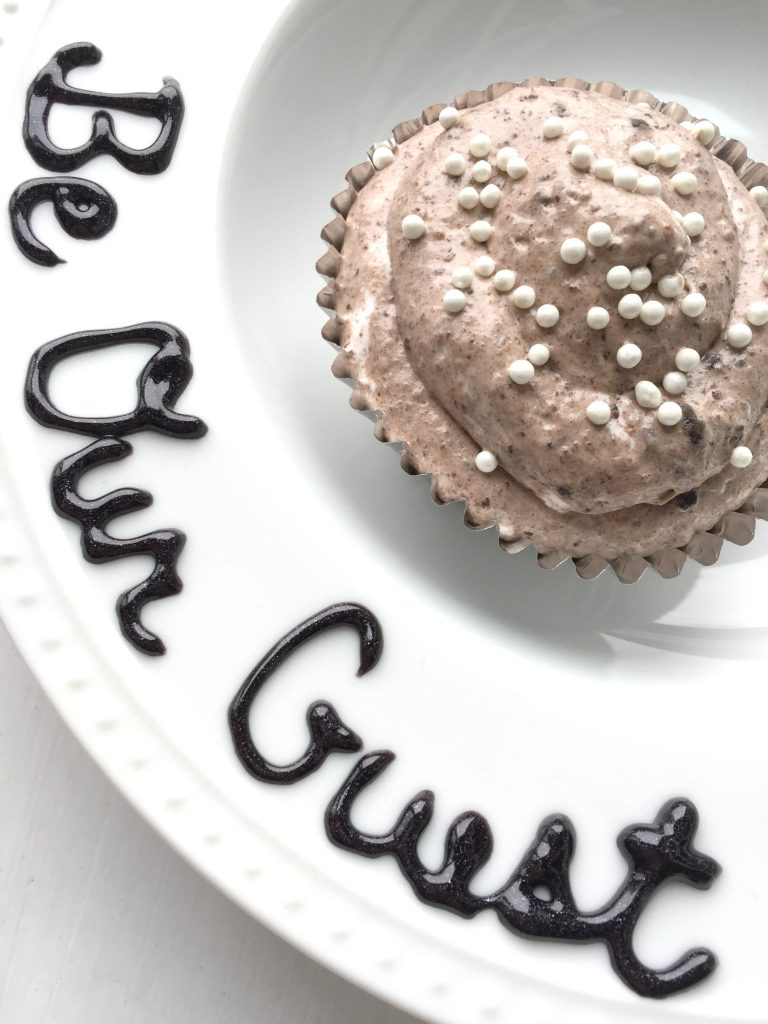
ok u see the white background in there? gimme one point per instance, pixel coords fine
(101, 921)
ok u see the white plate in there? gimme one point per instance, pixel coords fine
(502, 687)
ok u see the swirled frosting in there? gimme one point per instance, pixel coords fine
(441, 381)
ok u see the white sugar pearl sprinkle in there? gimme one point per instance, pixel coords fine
(484, 266)
(524, 296)
(413, 226)
(668, 155)
(516, 168)
(462, 277)
(480, 230)
(760, 194)
(605, 168)
(670, 285)
(648, 185)
(629, 355)
(581, 157)
(647, 394)
(599, 234)
(468, 198)
(504, 280)
(503, 157)
(684, 183)
(490, 196)
(643, 153)
(741, 457)
(455, 165)
(674, 382)
(757, 313)
(643, 105)
(738, 335)
(598, 318)
(538, 354)
(688, 125)
(573, 251)
(669, 414)
(618, 277)
(486, 462)
(382, 157)
(705, 132)
(454, 301)
(577, 138)
(481, 171)
(630, 306)
(547, 315)
(521, 371)
(626, 178)
(553, 128)
(641, 279)
(480, 144)
(693, 224)
(599, 413)
(693, 304)
(687, 359)
(448, 117)
(652, 313)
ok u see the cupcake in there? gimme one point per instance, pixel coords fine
(555, 297)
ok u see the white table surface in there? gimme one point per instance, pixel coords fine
(101, 921)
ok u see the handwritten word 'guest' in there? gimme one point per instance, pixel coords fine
(537, 900)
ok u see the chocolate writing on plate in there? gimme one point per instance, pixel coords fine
(50, 86)
(537, 900)
(159, 386)
(83, 209)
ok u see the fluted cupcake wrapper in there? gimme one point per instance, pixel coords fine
(737, 526)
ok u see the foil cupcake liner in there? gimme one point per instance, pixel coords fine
(737, 527)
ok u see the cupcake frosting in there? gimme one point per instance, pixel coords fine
(571, 285)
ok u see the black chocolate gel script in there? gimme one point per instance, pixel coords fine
(83, 209)
(537, 900)
(50, 86)
(160, 385)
